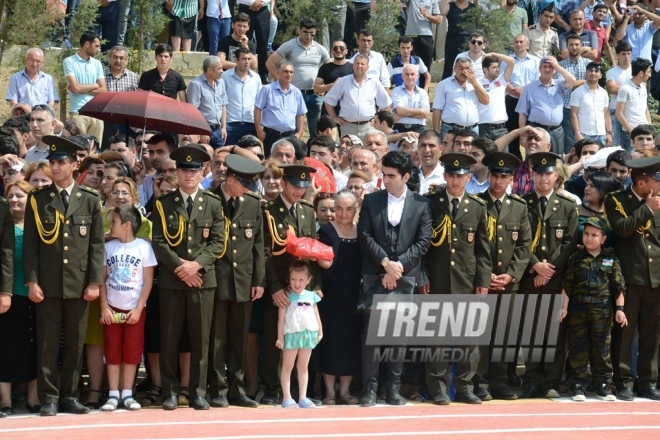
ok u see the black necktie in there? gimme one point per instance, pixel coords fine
(231, 207)
(454, 209)
(189, 205)
(544, 204)
(65, 199)
(498, 205)
(292, 211)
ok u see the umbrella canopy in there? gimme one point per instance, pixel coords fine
(147, 109)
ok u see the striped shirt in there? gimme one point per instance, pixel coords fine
(127, 81)
(184, 8)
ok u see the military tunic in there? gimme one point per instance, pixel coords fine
(458, 261)
(241, 267)
(638, 249)
(277, 220)
(542, 44)
(554, 239)
(178, 237)
(63, 251)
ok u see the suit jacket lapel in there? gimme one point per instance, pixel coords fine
(407, 208)
(444, 203)
(75, 200)
(551, 208)
(180, 206)
(56, 200)
(382, 197)
(238, 207)
(505, 210)
(463, 207)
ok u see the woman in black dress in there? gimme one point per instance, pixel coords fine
(338, 353)
(457, 35)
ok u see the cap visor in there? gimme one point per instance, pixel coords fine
(544, 169)
(298, 183)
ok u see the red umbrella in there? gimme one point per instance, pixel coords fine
(147, 109)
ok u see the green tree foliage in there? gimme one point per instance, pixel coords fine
(383, 23)
(292, 11)
(493, 22)
(149, 22)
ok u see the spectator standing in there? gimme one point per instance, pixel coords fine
(640, 33)
(358, 15)
(377, 64)
(517, 16)
(632, 101)
(331, 71)
(478, 43)
(543, 38)
(421, 15)
(358, 95)
(117, 77)
(306, 55)
(259, 13)
(577, 66)
(410, 103)
(541, 102)
(395, 66)
(615, 77)
(42, 123)
(84, 75)
(493, 117)
(218, 22)
(599, 24)
(279, 110)
(162, 79)
(31, 85)
(207, 93)
(227, 45)
(107, 23)
(242, 86)
(589, 39)
(429, 150)
(590, 112)
(457, 36)
(457, 99)
(183, 24)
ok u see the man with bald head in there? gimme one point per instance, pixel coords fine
(31, 85)
(365, 160)
(283, 152)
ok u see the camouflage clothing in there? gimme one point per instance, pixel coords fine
(599, 279)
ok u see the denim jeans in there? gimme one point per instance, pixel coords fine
(236, 130)
(313, 103)
(618, 137)
(107, 25)
(444, 129)
(216, 138)
(217, 28)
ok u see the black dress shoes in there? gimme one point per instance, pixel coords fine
(34, 409)
(49, 409)
(244, 401)
(199, 403)
(220, 402)
(441, 398)
(468, 397)
(650, 393)
(394, 398)
(75, 407)
(369, 399)
(625, 394)
(270, 398)
(170, 403)
(483, 394)
(503, 394)
(531, 392)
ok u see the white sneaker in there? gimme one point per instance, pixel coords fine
(111, 404)
(578, 394)
(552, 394)
(130, 403)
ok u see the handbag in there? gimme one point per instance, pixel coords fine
(373, 285)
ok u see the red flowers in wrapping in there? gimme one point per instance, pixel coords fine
(306, 247)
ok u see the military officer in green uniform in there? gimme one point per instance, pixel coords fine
(188, 237)
(458, 262)
(240, 274)
(63, 251)
(288, 212)
(509, 236)
(634, 215)
(553, 221)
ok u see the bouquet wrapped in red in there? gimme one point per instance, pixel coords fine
(306, 247)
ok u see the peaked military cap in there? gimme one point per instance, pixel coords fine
(60, 148)
(544, 162)
(500, 162)
(245, 170)
(457, 163)
(298, 175)
(190, 157)
(648, 166)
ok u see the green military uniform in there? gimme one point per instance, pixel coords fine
(458, 260)
(542, 44)
(277, 220)
(63, 252)
(638, 249)
(593, 284)
(241, 267)
(195, 235)
(554, 239)
(509, 237)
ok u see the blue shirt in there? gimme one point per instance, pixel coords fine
(525, 71)
(86, 73)
(417, 99)
(543, 104)
(279, 109)
(22, 89)
(241, 96)
(640, 39)
(208, 100)
(474, 187)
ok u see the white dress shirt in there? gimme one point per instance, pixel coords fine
(358, 102)
(459, 104)
(395, 207)
(435, 178)
(418, 98)
(377, 68)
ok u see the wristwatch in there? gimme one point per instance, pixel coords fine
(385, 262)
(619, 308)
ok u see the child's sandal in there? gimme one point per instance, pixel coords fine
(130, 403)
(152, 396)
(111, 404)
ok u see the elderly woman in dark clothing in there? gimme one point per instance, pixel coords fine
(338, 353)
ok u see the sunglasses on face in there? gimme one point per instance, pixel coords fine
(476, 42)
(98, 173)
(341, 48)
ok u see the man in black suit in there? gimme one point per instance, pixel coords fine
(392, 251)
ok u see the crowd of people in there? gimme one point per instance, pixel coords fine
(171, 250)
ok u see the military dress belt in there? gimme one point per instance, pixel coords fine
(591, 299)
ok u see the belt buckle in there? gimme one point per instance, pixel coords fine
(407, 126)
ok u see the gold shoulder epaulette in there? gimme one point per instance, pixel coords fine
(253, 194)
(89, 190)
(212, 194)
(477, 198)
(306, 202)
(516, 198)
(167, 194)
(564, 196)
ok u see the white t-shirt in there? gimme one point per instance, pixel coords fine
(124, 262)
(590, 104)
(636, 102)
(495, 111)
(620, 76)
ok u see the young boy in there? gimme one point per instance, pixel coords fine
(128, 276)
(592, 281)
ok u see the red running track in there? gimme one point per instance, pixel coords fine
(539, 419)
